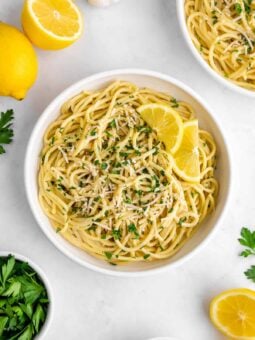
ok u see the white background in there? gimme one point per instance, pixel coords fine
(90, 306)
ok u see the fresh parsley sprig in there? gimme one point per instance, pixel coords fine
(6, 132)
(250, 273)
(247, 240)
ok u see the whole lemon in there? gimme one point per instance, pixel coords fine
(18, 62)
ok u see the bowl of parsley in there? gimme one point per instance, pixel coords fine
(25, 299)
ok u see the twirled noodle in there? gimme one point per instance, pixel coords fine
(107, 184)
(224, 33)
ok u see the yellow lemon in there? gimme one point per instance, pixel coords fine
(166, 122)
(18, 62)
(233, 313)
(186, 158)
(52, 24)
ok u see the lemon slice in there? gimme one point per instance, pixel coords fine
(233, 313)
(186, 159)
(166, 122)
(52, 24)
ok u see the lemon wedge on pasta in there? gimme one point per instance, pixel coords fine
(166, 122)
(186, 159)
(233, 313)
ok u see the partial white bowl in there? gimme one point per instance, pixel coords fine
(182, 20)
(42, 334)
(207, 120)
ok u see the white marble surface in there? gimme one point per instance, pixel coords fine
(91, 306)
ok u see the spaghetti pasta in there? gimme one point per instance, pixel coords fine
(224, 33)
(107, 184)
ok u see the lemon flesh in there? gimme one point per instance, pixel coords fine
(52, 24)
(233, 313)
(18, 63)
(166, 122)
(186, 159)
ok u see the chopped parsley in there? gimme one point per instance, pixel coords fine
(93, 132)
(52, 141)
(214, 17)
(116, 233)
(156, 150)
(132, 229)
(182, 220)
(145, 171)
(108, 255)
(113, 124)
(139, 192)
(156, 184)
(123, 154)
(238, 8)
(104, 166)
(247, 6)
(174, 102)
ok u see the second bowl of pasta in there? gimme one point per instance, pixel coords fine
(220, 34)
(127, 172)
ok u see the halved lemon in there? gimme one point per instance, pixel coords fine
(166, 122)
(186, 159)
(233, 313)
(52, 24)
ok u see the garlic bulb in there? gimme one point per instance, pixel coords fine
(102, 3)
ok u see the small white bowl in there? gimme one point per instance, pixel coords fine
(41, 335)
(155, 81)
(182, 20)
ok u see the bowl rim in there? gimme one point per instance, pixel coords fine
(43, 277)
(200, 59)
(61, 98)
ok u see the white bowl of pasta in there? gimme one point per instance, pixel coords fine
(102, 185)
(220, 37)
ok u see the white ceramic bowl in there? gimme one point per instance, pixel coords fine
(155, 81)
(200, 59)
(42, 334)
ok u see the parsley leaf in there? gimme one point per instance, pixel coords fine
(3, 322)
(108, 254)
(116, 233)
(182, 220)
(7, 269)
(132, 229)
(6, 133)
(238, 8)
(247, 240)
(250, 273)
(174, 102)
